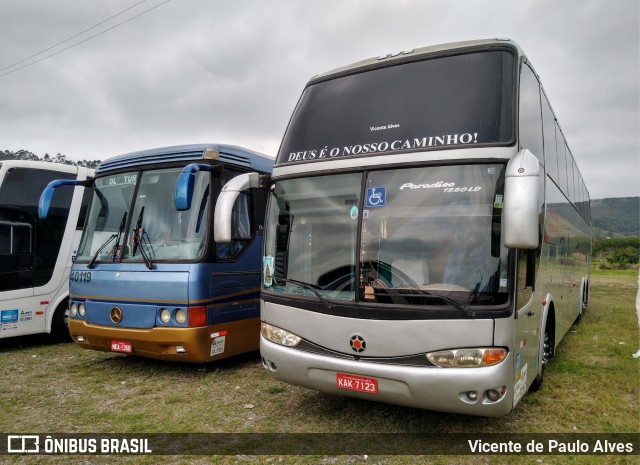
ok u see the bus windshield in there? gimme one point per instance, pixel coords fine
(157, 231)
(458, 100)
(419, 237)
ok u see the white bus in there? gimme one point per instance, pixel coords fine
(428, 232)
(36, 255)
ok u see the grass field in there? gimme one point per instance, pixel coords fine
(591, 386)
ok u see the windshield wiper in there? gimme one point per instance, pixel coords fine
(421, 292)
(308, 286)
(463, 308)
(117, 252)
(139, 240)
(92, 263)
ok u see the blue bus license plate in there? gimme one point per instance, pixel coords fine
(121, 346)
(357, 383)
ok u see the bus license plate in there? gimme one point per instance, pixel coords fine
(357, 383)
(121, 346)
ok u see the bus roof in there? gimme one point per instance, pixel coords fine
(417, 53)
(38, 165)
(231, 154)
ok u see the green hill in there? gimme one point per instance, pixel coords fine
(616, 217)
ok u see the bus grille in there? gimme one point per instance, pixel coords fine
(416, 360)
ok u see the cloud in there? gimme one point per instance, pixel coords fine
(215, 71)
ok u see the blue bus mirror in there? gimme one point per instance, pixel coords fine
(45, 202)
(47, 194)
(186, 182)
(184, 190)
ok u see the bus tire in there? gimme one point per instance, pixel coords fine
(60, 322)
(546, 352)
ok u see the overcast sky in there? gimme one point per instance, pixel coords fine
(196, 71)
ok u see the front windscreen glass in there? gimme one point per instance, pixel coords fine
(434, 232)
(108, 216)
(428, 237)
(460, 100)
(156, 231)
(312, 229)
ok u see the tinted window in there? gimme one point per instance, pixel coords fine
(549, 129)
(21, 240)
(530, 122)
(454, 100)
(86, 201)
(5, 239)
(562, 161)
(22, 188)
(16, 259)
(571, 174)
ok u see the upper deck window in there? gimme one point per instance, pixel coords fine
(458, 100)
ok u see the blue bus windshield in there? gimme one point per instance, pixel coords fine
(157, 230)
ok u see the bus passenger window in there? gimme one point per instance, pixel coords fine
(5, 239)
(21, 243)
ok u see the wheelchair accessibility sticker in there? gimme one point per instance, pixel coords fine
(376, 197)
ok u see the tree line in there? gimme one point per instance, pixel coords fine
(58, 158)
(617, 252)
(615, 216)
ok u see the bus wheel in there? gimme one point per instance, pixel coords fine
(60, 323)
(546, 353)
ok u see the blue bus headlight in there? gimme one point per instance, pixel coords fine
(74, 310)
(180, 316)
(81, 310)
(467, 358)
(279, 336)
(165, 316)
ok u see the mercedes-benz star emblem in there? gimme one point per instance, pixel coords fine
(116, 315)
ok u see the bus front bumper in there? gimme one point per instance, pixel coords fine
(429, 388)
(176, 344)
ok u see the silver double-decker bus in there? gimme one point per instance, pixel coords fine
(428, 234)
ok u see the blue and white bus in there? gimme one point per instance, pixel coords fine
(428, 235)
(149, 279)
(36, 254)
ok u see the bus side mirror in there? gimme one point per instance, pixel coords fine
(224, 205)
(47, 194)
(186, 182)
(520, 216)
(184, 190)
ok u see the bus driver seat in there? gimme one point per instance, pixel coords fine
(416, 270)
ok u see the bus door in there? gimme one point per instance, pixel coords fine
(528, 319)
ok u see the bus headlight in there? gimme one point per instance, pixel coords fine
(74, 310)
(279, 336)
(81, 310)
(180, 316)
(165, 316)
(467, 358)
